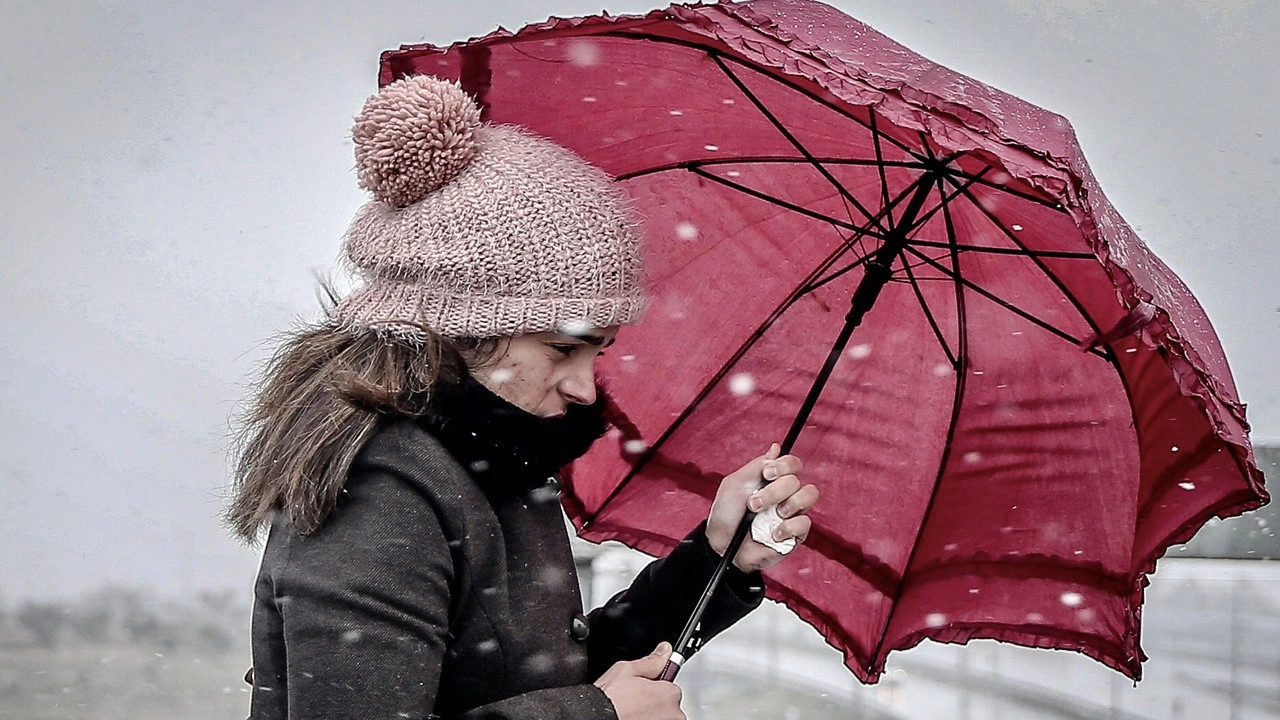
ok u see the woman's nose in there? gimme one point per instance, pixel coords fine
(580, 386)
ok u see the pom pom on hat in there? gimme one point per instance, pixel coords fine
(415, 135)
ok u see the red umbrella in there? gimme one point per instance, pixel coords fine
(1012, 407)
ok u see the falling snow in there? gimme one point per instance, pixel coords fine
(860, 352)
(583, 53)
(742, 384)
(687, 231)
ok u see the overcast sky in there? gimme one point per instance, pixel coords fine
(174, 171)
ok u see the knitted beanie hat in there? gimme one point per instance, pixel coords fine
(480, 230)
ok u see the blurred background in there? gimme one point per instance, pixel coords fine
(175, 172)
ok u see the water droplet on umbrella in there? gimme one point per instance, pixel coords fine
(589, 99)
(973, 591)
(728, 101)
(634, 447)
(1017, 227)
(742, 384)
(627, 358)
(972, 457)
(1187, 485)
(712, 148)
(935, 620)
(1132, 350)
(1071, 599)
(675, 113)
(583, 53)
(951, 547)
(687, 231)
(1173, 449)
(1079, 552)
(860, 352)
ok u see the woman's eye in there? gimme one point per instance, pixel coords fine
(565, 350)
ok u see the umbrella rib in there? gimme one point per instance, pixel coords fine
(710, 51)
(928, 314)
(710, 385)
(784, 204)
(763, 160)
(1063, 255)
(795, 142)
(1051, 204)
(884, 180)
(1004, 303)
(962, 378)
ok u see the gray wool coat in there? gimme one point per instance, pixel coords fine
(425, 594)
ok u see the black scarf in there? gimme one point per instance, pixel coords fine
(504, 447)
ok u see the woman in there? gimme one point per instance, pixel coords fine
(402, 456)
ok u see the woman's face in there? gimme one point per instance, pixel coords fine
(543, 373)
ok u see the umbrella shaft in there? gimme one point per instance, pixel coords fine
(874, 278)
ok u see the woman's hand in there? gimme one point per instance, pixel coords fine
(741, 489)
(636, 695)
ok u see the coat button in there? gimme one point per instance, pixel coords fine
(579, 629)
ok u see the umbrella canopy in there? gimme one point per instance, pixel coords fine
(1034, 407)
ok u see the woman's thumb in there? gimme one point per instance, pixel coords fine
(651, 666)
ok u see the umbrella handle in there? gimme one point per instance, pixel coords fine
(682, 646)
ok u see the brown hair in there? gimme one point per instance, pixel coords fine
(321, 397)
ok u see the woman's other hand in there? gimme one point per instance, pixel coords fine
(741, 490)
(635, 693)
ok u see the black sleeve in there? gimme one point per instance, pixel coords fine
(661, 599)
(365, 603)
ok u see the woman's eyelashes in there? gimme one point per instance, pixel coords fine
(568, 350)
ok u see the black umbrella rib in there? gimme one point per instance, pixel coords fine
(764, 160)
(928, 314)
(1053, 277)
(784, 204)
(1004, 303)
(795, 142)
(1021, 252)
(1052, 205)
(962, 378)
(884, 180)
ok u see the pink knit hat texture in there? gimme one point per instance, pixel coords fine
(479, 230)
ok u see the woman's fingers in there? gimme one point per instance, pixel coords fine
(799, 501)
(785, 465)
(773, 493)
(796, 527)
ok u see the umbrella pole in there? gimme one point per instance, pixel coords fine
(876, 275)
